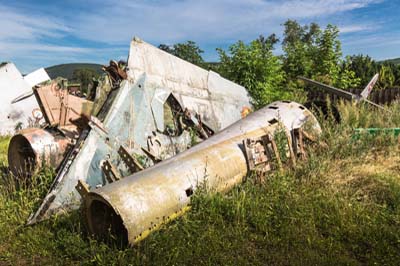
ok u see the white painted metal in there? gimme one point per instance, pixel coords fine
(12, 85)
(36, 77)
(136, 113)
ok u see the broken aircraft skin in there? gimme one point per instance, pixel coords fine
(32, 148)
(137, 204)
(162, 108)
(142, 125)
(13, 84)
(325, 107)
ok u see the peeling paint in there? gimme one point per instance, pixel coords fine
(220, 161)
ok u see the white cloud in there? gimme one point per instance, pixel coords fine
(356, 28)
(25, 34)
(198, 20)
(29, 37)
(15, 47)
(375, 41)
(17, 24)
(34, 33)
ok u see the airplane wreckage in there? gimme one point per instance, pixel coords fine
(132, 153)
(21, 114)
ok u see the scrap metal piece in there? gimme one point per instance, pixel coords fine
(12, 84)
(259, 153)
(110, 171)
(151, 156)
(116, 72)
(342, 93)
(130, 161)
(82, 188)
(290, 148)
(128, 117)
(59, 107)
(34, 147)
(36, 77)
(362, 97)
(136, 205)
(299, 149)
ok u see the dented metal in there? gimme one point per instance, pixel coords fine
(34, 147)
(158, 108)
(130, 150)
(12, 84)
(139, 203)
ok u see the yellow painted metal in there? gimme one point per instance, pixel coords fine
(138, 204)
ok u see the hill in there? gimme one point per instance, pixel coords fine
(395, 61)
(66, 70)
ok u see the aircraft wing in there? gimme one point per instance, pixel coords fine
(342, 93)
(376, 105)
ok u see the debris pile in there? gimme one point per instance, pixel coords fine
(126, 149)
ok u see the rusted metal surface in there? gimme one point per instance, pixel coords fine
(161, 109)
(139, 203)
(131, 162)
(34, 147)
(59, 107)
(110, 171)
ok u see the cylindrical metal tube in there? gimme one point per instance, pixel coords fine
(34, 147)
(137, 204)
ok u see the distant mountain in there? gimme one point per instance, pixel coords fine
(66, 70)
(395, 61)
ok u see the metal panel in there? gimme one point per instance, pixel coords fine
(130, 122)
(141, 202)
(36, 77)
(12, 85)
(157, 106)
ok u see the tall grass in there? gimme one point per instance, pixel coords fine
(341, 206)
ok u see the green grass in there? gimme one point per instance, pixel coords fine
(339, 207)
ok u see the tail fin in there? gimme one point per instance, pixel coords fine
(365, 93)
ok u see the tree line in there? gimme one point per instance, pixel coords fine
(308, 50)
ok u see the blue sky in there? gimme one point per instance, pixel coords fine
(47, 32)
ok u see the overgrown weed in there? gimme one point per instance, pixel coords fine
(338, 207)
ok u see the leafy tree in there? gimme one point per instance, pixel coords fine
(167, 48)
(315, 53)
(256, 68)
(363, 67)
(329, 55)
(299, 46)
(348, 78)
(84, 76)
(396, 73)
(386, 76)
(188, 51)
